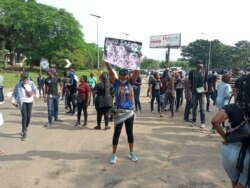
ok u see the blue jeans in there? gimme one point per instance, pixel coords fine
(198, 98)
(1, 94)
(52, 107)
(230, 154)
(137, 92)
(156, 95)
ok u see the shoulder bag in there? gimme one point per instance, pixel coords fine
(240, 132)
(197, 89)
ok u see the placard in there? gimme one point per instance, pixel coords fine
(122, 53)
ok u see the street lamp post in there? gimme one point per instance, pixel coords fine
(126, 35)
(209, 51)
(98, 60)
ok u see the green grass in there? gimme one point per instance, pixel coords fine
(11, 78)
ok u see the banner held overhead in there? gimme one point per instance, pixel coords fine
(122, 53)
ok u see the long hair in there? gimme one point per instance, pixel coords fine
(105, 79)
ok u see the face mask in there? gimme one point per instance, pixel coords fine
(123, 81)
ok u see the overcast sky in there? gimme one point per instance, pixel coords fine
(225, 20)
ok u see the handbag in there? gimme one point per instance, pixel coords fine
(240, 132)
(214, 95)
(200, 90)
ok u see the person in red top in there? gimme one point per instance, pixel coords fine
(83, 100)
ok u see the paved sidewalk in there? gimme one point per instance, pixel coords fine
(170, 152)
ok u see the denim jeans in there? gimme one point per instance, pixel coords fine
(156, 95)
(198, 98)
(52, 107)
(137, 92)
(230, 154)
(1, 94)
(26, 115)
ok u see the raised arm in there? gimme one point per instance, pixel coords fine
(111, 72)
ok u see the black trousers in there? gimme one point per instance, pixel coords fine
(72, 100)
(82, 106)
(26, 115)
(129, 123)
(102, 111)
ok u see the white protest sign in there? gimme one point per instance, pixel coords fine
(122, 53)
(44, 64)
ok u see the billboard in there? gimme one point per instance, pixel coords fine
(164, 41)
(122, 53)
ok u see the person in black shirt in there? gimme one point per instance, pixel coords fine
(40, 84)
(209, 90)
(104, 100)
(197, 84)
(52, 94)
(155, 86)
(72, 85)
(137, 91)
(241, 91)
(235, 155)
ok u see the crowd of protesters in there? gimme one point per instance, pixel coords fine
(119, 95)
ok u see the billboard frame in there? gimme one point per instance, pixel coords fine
(165, 41)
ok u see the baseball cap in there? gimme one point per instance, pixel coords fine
(52, 70)
(71, 74)
(123, 71)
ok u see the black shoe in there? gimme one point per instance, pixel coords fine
(77, 123)
(208, 111)
(84, 124)
(69, 112)
(188, 120)
(24, 137)
(97, 127)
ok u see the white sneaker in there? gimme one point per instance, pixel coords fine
(133, 156)
(113, 159)
(202, 126)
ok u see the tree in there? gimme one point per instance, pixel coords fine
(38, 30)
(149, 64)
(242, 48)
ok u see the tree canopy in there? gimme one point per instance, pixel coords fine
(222, 56)
(38, 30)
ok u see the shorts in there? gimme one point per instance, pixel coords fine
(230, 154)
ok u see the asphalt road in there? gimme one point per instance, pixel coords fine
(170, 152)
